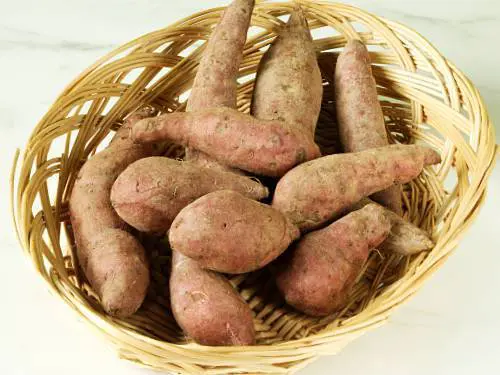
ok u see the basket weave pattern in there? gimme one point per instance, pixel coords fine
(424, 97)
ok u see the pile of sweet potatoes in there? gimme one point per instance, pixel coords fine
(207, 205)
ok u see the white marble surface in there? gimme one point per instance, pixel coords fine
(451, 326)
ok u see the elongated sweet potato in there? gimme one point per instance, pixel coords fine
(360, 117)
(207, 307)
(288, 86)
(152, 191)
(233, 138)
(226, 232)
(318, 191)
(215, 83)
(323, 266)
(111, 258)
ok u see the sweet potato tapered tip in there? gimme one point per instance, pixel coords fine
(405, 238)
(297, 19)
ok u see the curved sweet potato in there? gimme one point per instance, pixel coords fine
(318, 191)
(233, 138)
(112, 259)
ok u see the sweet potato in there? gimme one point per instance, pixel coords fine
(111, 258)
(152, 191)
(288, 86)
(207, 307)
(215, 83)
(318, 191)
(226, 232)
(233, 138)
(318, 276)
(405, 238)
(360, 117)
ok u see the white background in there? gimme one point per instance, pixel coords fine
(451, 327)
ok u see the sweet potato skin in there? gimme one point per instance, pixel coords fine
(152, 191)
(288, 86)
(112, 259)
(404, 238)
(239, 140)
(320, 273)
(118, 256)
(215, 83)
(226, 232)
(360, 118)
(318, 191)
(207, 307)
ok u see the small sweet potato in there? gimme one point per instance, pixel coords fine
(318, 191)
(319, 275)
(226, 232)
(288, 86)
(111, 258)
(207, 307)
(405, 238)
(360, 118)
(239, 140)
(152, 191)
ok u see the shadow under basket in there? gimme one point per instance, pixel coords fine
(425, 100)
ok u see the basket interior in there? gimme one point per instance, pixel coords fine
(424, 99)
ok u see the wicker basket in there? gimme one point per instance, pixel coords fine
(425, 99)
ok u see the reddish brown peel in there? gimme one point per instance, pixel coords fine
(405, 238)
(318, 191)
(360, 118)
(215, 83)
(111, 258)
(150, 193)
(323, 266)
(289, 86)
(204, 303)
(226, 232)
(233, 138)
(207, 307)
